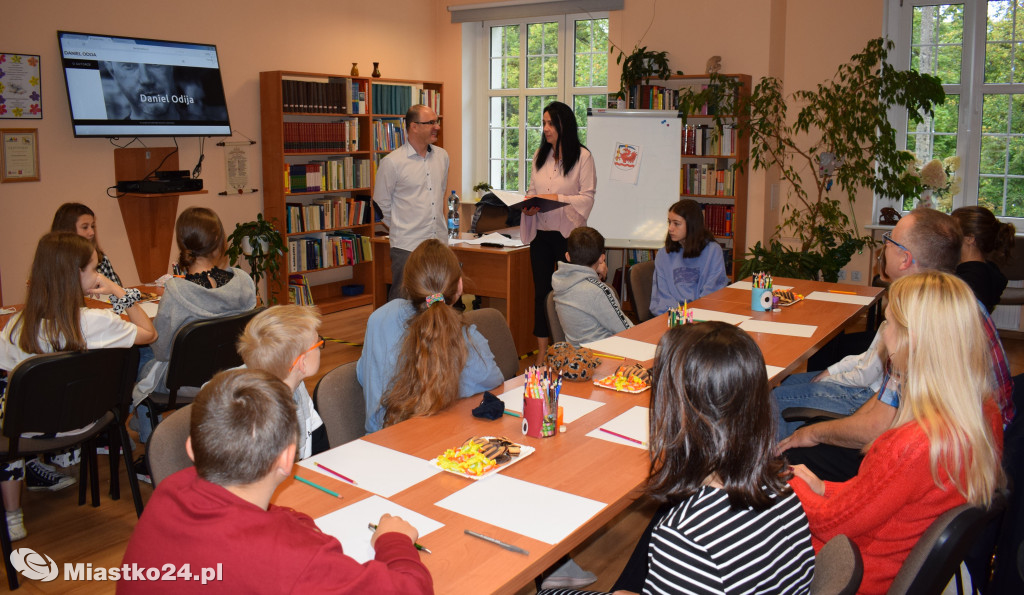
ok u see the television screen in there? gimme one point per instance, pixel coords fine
(125, 86)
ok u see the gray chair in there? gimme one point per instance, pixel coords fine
(1014, 271)
(641, 280)
(166, 448)
(838, 568)
(494, 328)
(554, 325)
(338, 399)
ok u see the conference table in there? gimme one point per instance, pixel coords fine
(149, 304)
(605, 471)
(502, 273)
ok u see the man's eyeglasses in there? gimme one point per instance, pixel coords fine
(318, 345)
(887, 237)
(430, 122)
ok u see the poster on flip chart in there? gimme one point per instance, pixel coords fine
(626, 163)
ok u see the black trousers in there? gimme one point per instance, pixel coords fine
(546, 251)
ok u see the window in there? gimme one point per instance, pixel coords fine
(531, 63)
(977, 50)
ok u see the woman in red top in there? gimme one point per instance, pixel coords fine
(943, 448)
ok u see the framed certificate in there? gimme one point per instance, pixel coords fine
(19, 155)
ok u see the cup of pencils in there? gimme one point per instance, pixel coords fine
(761, 293)
(540, 402)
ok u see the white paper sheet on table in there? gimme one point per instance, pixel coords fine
(625, 347)
(496, 238)
(573, 408)
(702, 314)
(350, 525)
(772, 370)
(149, 308)
(374, 468)
(747, 285)
(634, 423)
(528, 509)
(842, 298)
(778, 328)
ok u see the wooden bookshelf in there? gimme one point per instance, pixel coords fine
(324, 104)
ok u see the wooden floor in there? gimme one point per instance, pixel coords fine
(61, 529)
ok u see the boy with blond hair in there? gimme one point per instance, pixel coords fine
(284, 341)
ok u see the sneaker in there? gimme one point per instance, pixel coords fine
(569, 576)
(39, 476)
(16, 525)
(142, 469)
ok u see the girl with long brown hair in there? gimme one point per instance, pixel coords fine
(78, 218)
(55, 319)
(691, 265)
(419, 355)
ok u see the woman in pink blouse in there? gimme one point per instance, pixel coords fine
(563, 170)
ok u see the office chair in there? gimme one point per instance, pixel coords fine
(166, 448)
(641, 280)
(493, 327)
(554, 325)
(338, 399)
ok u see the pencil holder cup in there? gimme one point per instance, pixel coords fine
(535, 423)
(761, 299)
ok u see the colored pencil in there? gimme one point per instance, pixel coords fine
(512, 413)
(842, 292)
(319, 487)
(623, 437)
(333, 472)
(496, 542)
(418, 546)
(608, 355)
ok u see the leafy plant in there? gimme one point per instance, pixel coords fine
(482, 187)
(841, 140)
(640, 66)
(265, 248)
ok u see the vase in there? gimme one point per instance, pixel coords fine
(925, 201)
(376, 70)
(355, 69)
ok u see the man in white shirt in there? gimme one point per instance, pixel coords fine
(410, 190)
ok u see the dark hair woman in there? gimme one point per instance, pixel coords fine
(691, 264)
(78, 218)
(987, 243)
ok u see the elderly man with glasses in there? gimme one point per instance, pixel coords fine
(924, 239)
(410, 190)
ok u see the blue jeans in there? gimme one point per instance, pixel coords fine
(799, 391)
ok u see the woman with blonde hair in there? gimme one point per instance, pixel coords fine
(943, 448)
(419, 355)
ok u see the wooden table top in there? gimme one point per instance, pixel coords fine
(570, 462)
(89, 303)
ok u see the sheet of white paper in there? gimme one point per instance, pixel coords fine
(511, 504)
(509, 198)
(747, 285)
(778, 328)
(842, 298)
(149, 308)
(163, 279)
(772, 370)
(634, 423)
(456, 242)
(625, 347)
(573, 408)
(350, 525)
(374, 468)
(702, 314)
(496, 238)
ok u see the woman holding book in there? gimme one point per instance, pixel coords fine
(204, 287)
(943, 448)
(419, 355)
(691, 264)
(563, 170)
(78, 218)
(55, 319)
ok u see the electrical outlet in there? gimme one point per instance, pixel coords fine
(855, 276)
(842, 274)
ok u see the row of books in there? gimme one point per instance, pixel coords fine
(704, 139)
(718, 219)
(391, 99)
(431, 99)
(327, 213)
(336, 173)
(310, 97)
(339, 248)
(661, 97)
(388, 133)
(298, 291)
(312, 137)
(637, 255)
(704, 180)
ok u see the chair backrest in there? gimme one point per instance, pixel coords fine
(204, 347)
(838, 568)
(60, 392)
(940, 550)
(554, 325)
(1014, 271)
(641, 279)
(493, 327)
(166, 448)
(339, 401)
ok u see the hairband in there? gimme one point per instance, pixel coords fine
(435, 297)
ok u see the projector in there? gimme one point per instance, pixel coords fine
(170, 186)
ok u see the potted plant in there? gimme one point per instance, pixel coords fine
(639, 67)
(481, 188)
(261, 245)
(842, 141)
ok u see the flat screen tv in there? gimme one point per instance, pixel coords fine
(127, 86)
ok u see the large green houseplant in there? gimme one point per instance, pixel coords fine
(261, 245)
(639, 67)
(840, 142)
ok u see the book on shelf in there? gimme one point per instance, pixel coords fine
(312, 137)
(391, 98)
(718, 219)
(333, 174)
(312, 97)
(516, 200)
(705, 139)
(432, 99)
(327, 213)
(388, 133)
(298, 290)
(705, 179)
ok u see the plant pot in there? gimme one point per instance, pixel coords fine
(247, 247)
